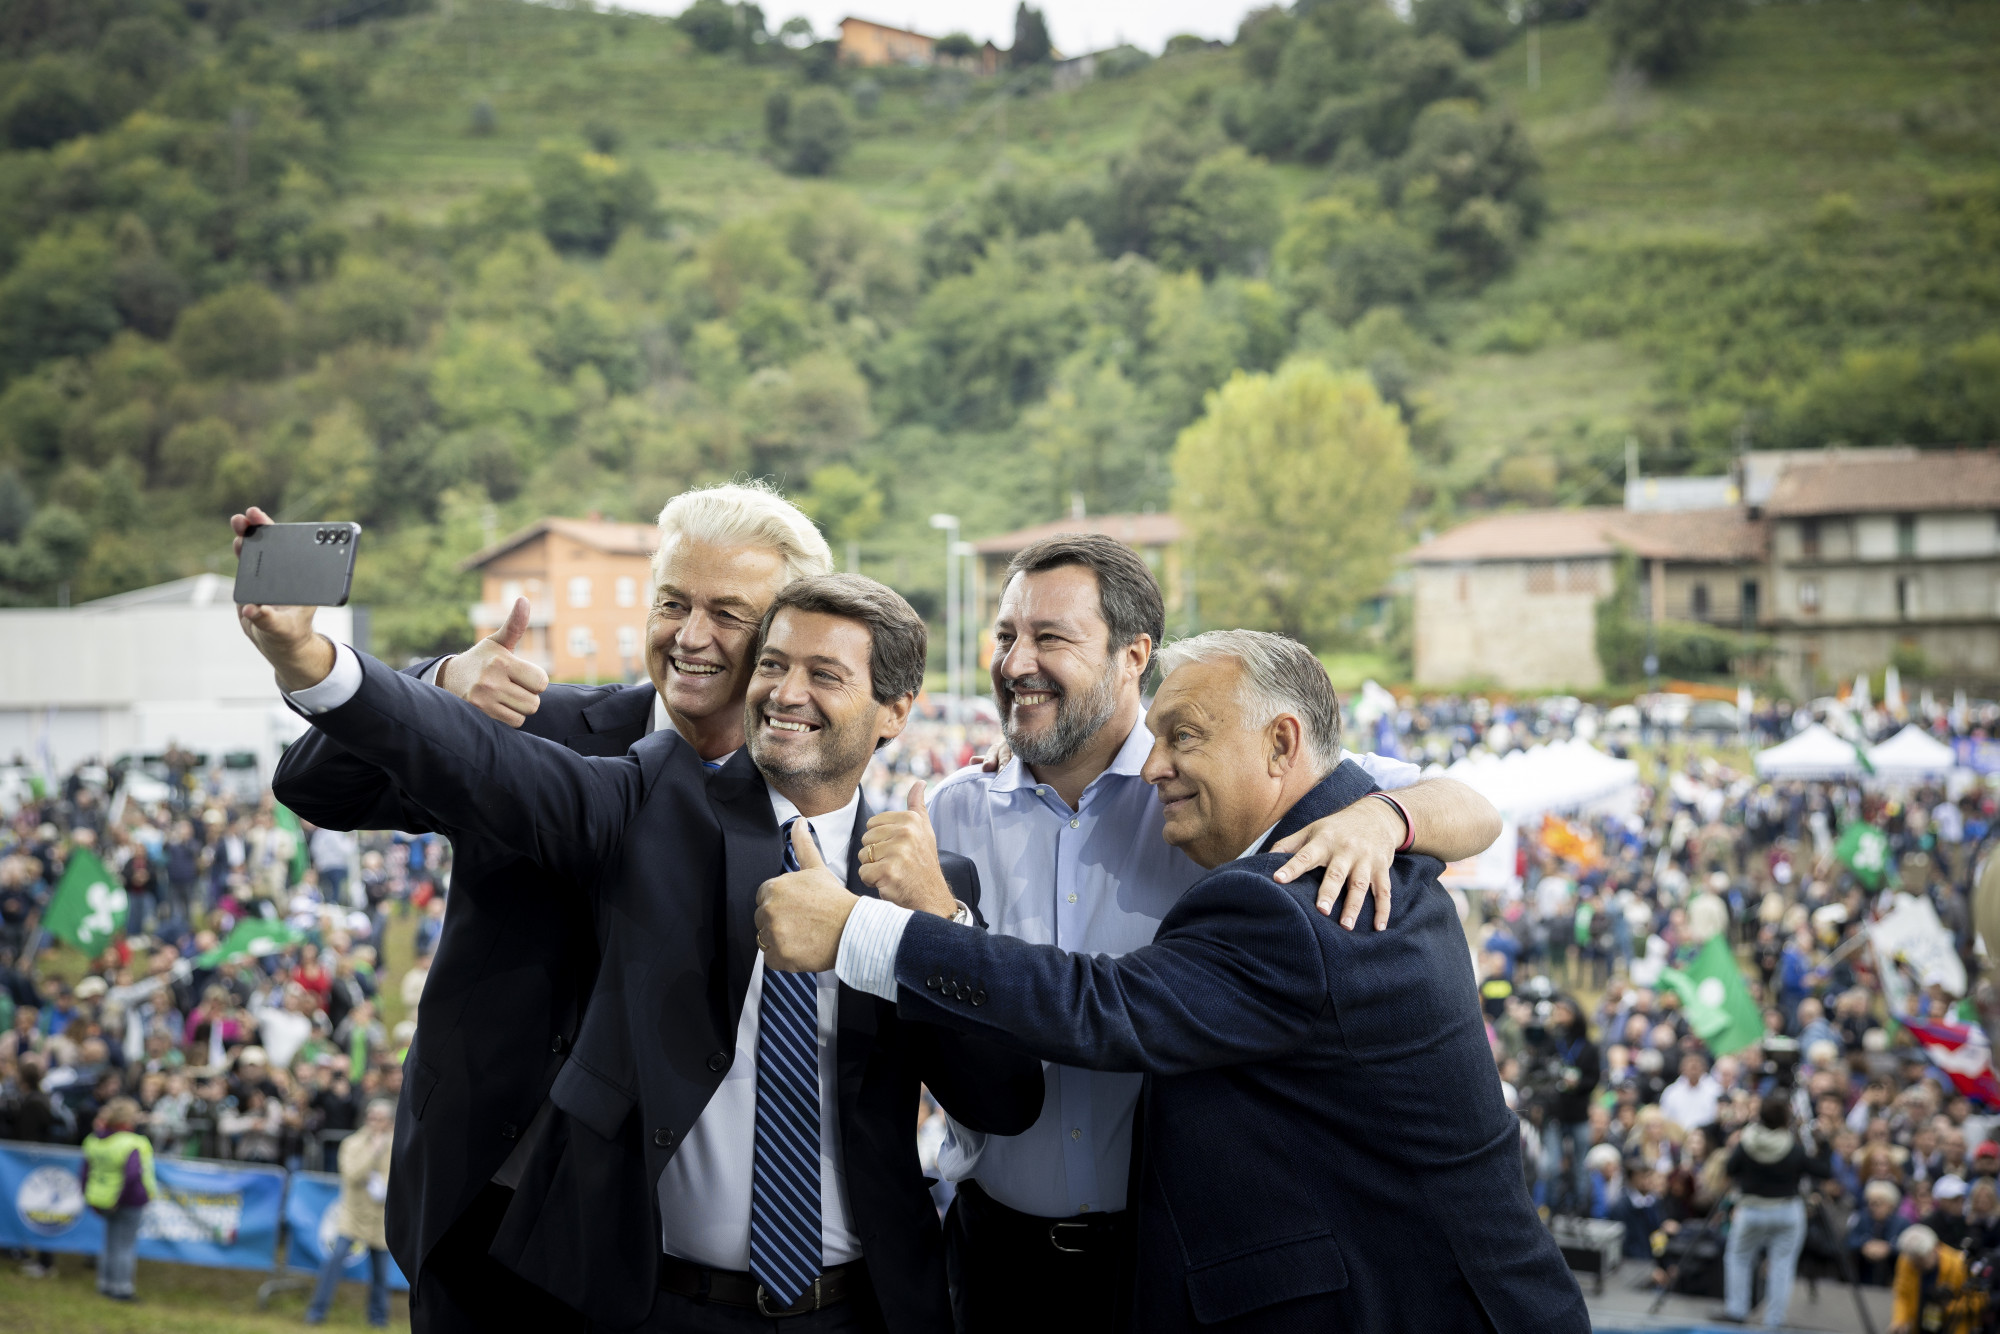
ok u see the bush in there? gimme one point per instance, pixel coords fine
(484, 120)
(867, 95)
(51, 103)
(710, 24)
(1665, 38)
(818, 136)
(1480, 27)
(586, 200)
(242, 331)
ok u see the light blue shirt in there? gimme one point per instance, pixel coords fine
(1096, 880)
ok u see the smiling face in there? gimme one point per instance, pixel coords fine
(1056, 678)
(707, 602)
(1220, 778)
(811, 716)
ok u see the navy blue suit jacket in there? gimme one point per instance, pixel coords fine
(669, 859)
(1323, 1141)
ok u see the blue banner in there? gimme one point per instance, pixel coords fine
(223, 1215)
(309, 1215)
(1978, 755)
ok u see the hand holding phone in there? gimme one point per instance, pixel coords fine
(294, 564)
(282, 628)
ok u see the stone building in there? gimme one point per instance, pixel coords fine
(586, 582)
(1157, 538)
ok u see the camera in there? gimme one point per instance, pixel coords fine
(1781, 1061)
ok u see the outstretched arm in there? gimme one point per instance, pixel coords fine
(1447, 820)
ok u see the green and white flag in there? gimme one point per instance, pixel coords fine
(254, 937)
(88, 909)
(1718, 1005)
(1864, 850)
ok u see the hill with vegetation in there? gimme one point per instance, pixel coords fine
(446, 268)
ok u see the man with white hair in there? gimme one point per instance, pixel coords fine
(1930, 1289)
(515, 963)
(1322, 1118)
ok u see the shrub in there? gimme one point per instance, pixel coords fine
(818, 137)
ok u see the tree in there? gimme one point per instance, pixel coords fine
(1095, 436)
(51, 103)
(242, 331)
(1292, 487)
(844, 502)
(1665, 38)
(710, 24)
(818, 136)
(1031, 38)
(1480, 27)
(587, 199)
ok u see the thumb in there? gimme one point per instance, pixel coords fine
(917, 800)
(510, 634)
(804, 848)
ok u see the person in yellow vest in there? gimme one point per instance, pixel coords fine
(1931, 1293)
(118, 1183)
(358, 1218)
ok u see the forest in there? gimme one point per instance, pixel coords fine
(443, 269)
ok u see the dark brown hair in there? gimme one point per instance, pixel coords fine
(1128, 597)
(898, 639)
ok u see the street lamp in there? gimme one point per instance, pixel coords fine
(949, 524)
(968, 617)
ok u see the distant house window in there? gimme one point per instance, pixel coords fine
(1809, 538)
(1809, 595)
(509, 590)
(1580, 576)
(626, 591)
(579, 591)
(1541, 576)
(1698, 602)
(1750, 608)
(1909, 599)
(1906, 535)
(628, 641)
(581, 645)
(1464, 586)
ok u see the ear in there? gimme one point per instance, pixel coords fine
(892, 718)
(1287, 738)
(1138, 655)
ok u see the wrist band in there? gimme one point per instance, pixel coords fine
(1409, 826)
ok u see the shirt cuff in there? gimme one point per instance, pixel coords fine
(342, 684)
(430, 678)
(868, 945)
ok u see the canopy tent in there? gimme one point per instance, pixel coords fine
(1814, 753)
(1561, 776)
(1911, 756)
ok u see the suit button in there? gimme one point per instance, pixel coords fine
(559, 1044)
(717, 1062)
(959, 989)
(934, 983)
(979, 996)
(663, 1138)
(510, 1131)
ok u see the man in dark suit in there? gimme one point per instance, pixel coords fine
(518, 953)
(1324, 1142)
(718, 1148)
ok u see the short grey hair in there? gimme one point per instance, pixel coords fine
(1280, 675)
(753, 513)
(1917, 1242)
(1882, 1190)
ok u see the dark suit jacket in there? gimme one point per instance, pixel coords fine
(670, 862)
(513, 968)
(1324, 1142)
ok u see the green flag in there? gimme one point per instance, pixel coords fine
(88, 908)
(282, 817)
(1718, 1006)
(1864, 850)
(253, 936)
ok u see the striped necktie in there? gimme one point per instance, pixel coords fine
(785, 1183)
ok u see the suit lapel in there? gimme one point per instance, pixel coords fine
(857, 1008)
(750, 857)
(615, 721)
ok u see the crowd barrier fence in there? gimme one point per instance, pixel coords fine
(220, 1215)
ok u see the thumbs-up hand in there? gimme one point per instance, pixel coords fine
(491, 678)
(899, 859)
(801, 914)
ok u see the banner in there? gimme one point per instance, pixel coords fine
(1913, 932)
(309, 1215)
(222, 1215)
(88, 907)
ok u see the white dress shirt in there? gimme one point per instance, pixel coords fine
(705, 1190)
(1095, 880)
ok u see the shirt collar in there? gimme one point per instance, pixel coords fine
(1257, 842)
(835, 828)
(662, 721)
(1127, 763)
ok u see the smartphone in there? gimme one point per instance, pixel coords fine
(298, 564)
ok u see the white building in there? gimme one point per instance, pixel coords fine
(134, 673)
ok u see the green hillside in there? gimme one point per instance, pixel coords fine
(448, 269)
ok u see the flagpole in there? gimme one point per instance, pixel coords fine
(1845, 948)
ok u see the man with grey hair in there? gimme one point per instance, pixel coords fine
(1067, 838)
(1322, 1117)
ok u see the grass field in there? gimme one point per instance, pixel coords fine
(173, 1299)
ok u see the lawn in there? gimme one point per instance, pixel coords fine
(173, 1299)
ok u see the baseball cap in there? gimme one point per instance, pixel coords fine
(1949, 1187)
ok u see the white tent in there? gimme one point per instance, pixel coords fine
(1815, 753)
(1561, 776)
(1911, 756)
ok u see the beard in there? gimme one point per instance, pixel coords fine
(1078, 719)
(835, 752)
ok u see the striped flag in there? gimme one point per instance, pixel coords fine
(1961, 1051)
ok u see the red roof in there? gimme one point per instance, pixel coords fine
(1134, 530)
(1715, 536)
(1854, 482)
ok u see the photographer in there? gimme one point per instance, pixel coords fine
(1768, 1165)
(1930, 1290)
(1564, 1069)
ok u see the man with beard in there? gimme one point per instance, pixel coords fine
(723, 1146)
(1067, 838)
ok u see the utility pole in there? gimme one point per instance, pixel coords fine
(968, 616)
(948, 523)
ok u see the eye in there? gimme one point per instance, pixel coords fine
(826, 678)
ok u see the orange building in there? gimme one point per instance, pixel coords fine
(586, 582)
(865, 42)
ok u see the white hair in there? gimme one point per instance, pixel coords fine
(1878, 1190)
(1918, 1242)
(750, 513)
(1280, 675)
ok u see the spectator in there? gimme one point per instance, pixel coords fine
(1982, 1218)
(118, 1184)
(1768, 1165)
(1946, 1219)
(1930, 1290)
(1871, 1237)
(358, 1214)
(1693, 1100)
(1566, 1132)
